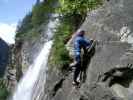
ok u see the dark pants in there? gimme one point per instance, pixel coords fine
(78, 66)
(76, 72)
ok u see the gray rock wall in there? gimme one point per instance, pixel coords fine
(4, 57)
(109, 73)
(30, 50)
(112, 26)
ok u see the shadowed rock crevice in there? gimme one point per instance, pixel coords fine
(122, 76)
(57, 86)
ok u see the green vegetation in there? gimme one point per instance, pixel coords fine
(59, 56)
(72, 13)
(42, 12)
(4, 93)
(78, 6)
(24, 26)
(28, 28)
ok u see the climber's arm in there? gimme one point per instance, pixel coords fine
(86, 42)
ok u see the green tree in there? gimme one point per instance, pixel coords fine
(78, 6)
(24, 26)
(42, 12)
(39, 15)
(77, 9)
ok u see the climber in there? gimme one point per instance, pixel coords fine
(80, 42)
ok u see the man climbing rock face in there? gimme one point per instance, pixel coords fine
(80, 42)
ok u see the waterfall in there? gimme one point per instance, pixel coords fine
(29, 87)
(26, 85)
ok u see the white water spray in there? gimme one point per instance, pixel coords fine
(26, 85)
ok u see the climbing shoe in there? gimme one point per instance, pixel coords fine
(75, 83)
(73, 64)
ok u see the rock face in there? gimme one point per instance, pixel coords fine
(4, 56)
(25, 51)
(112, 25)
(30, 50)
(22, 55)
(109, 71)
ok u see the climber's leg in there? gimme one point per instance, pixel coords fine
(78, 68)
(73, 64)
(76, 72)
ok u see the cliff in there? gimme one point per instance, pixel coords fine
(109, 70)
(4, 60)
(4, 57)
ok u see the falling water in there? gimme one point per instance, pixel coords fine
(28, 83)
(25, 87)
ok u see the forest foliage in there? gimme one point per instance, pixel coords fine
(42, 11)
(40, 14)
(78, 6)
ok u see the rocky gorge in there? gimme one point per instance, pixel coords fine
(108, 69)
